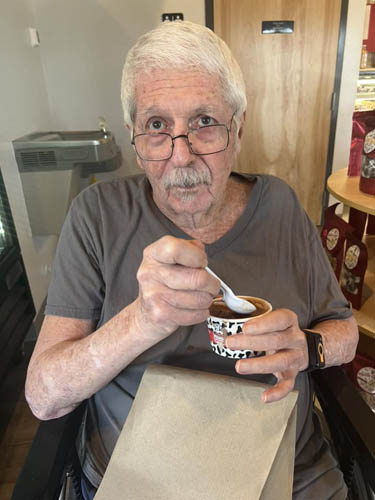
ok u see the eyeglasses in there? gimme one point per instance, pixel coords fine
(206, 140)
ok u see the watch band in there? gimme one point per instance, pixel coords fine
(315, 350)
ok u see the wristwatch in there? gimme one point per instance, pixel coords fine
(315, 350)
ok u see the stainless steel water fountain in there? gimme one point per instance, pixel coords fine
(52, 165)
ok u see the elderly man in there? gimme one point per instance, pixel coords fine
(129, 286)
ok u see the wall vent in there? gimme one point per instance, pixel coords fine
(34, 159)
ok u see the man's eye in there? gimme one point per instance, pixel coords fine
(156, 125)
(204, 121)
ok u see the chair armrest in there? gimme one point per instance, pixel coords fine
(344, 407)
(41, 474)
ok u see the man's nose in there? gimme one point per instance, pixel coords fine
(181, 150)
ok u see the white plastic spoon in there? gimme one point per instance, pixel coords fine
(234, 303)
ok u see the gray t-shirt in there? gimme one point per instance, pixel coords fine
(273, 251)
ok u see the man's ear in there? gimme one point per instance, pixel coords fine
(139, 163)
(240, 131)
(138, 160)
(241, 125)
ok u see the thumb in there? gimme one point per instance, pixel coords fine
(198, 244)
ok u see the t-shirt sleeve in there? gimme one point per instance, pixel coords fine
(327, 299)
(77, 287)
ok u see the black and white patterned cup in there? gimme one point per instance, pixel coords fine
(223, 322)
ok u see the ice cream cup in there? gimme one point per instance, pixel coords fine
(223, 322)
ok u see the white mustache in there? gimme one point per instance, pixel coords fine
(186, 177)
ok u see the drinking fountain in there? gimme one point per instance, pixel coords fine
(52, 166)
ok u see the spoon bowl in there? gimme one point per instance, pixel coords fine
(234, 303)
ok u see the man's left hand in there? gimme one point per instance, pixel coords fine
(279, 335)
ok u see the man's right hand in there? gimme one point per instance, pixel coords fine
(174, 288)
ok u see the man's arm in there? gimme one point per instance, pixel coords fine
(71, 361)
(285, 344)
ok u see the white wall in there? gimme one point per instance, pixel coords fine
(83, 48)
(24, 107)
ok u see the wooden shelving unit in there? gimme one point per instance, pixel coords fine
(346, 189)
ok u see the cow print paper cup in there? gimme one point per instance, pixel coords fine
(223, 322)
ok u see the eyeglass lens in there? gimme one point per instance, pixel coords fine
(202, 141)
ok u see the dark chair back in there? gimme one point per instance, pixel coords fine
(51, 458)
(351, 424)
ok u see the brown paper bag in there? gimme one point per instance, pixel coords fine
(192, 435)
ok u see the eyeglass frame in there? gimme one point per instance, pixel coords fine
(173, 138)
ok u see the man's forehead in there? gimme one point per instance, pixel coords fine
(171, 90)
(169, 77)
(166, 110)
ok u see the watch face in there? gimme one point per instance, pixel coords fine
(366, 379)
(351, 257)
(315, 350)
(332, 238)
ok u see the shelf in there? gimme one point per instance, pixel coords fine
(346, 189)
(366, 71)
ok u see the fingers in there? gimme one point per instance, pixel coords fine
(178, 277)
(279, 362)
(277, 330)
(161, 311)
(167, 317)
(285, 377)
(180, 300)
(278, 320)
(178, 265)
(281, 389)
(262, 342)
(279, 335)
(171, 250)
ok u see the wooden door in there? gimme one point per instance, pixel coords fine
(290, 80)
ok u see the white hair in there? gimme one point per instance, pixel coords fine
(182, 45)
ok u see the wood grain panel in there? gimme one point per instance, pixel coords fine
(290, 79)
